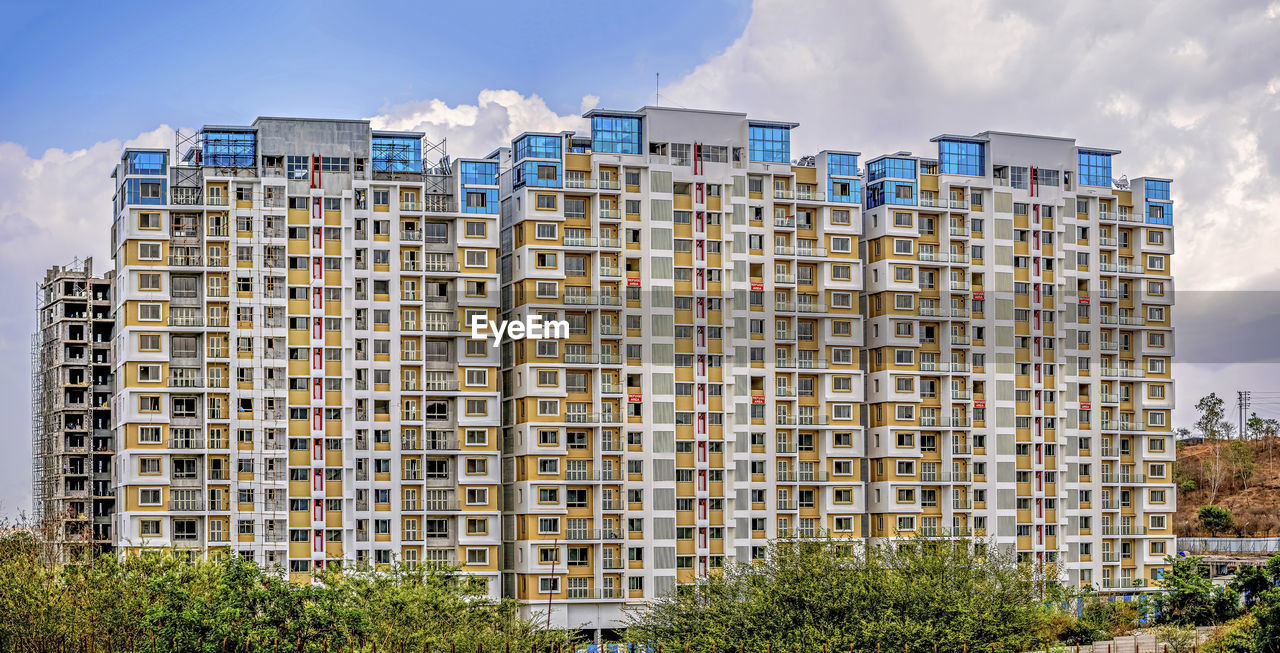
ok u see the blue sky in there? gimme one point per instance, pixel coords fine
(94, 71)
(1187, 89)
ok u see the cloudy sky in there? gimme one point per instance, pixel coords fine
(1187, 90)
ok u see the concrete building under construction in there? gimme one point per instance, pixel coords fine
(72, 446)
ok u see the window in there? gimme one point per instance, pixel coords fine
(149, 373)
(961, 158)
(148, 251)
(1094, 168)
(149, 496)
(769, 143)
(149, 434)
(546, 202)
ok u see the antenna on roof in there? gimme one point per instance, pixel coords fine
(657, 78)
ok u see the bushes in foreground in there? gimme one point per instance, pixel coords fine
(815, 593)
(158, 602)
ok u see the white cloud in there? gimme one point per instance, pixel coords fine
(882, 77)
(53, 208)
(473, 130)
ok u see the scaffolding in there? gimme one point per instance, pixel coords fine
(71, 471)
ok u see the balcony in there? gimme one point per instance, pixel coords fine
(1121, 268)
(440, 326)
(1125, 372)
(1123, 479)
(594, 593)
(593, 475)
(187, 261)
(783, 194)
(1115, 425)
(1111, 529)
(1112, 216)
(588, 535)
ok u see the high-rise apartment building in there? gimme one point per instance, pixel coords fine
(707, 398)
(756, 344)
(1019, 346)
(72, 445)
(292, 384)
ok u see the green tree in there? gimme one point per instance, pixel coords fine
(813, 593)
(1212, 424)
(1250, 582)
(1189, 597)
(1215, 519)
(1177, 638)
(157, 602)
(1240, 462)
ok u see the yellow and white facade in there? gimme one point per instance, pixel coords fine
(1018, 353)
(292, 384)
(757, 346)
(708, 397)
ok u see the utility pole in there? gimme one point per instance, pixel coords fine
(1242, 400)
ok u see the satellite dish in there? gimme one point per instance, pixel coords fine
(1122, 183)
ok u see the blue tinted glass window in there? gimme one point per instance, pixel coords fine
(842, 164)
(844, 190)
(231, 149)
(538, 147)
(542, 174)
(891, 167)
(144, 191)
(769, 144)
(397, 154)
(479, 173)
(479, 200)
(147, 163)
(891, 192)
(1157, 190)
(1095, 168)
(616, 134)
(1159, 213)
(962, 158)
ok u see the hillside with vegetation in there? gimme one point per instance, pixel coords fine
(1248, 485)
(1228, 484)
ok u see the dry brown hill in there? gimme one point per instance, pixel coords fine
(1254, 502)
